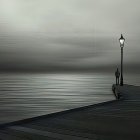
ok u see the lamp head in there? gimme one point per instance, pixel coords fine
(122, 40)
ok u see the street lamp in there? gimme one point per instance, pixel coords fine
(122, 40)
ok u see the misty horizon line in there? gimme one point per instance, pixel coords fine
(103, 69)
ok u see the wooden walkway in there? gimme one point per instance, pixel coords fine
(114, 120)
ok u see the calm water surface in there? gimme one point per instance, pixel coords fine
(28, 95)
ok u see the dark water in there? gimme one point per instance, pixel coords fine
(28, 95)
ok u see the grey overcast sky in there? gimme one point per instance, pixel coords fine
(68, 34)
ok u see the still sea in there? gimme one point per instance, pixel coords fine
(28, 95)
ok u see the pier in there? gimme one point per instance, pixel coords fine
(114, 120)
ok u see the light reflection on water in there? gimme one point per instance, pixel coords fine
(28, 95)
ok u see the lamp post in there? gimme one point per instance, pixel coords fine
(121, 40)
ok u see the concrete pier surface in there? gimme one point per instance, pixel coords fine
(114, 120)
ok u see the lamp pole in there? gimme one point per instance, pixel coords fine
(122, 40)
(121, 80)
